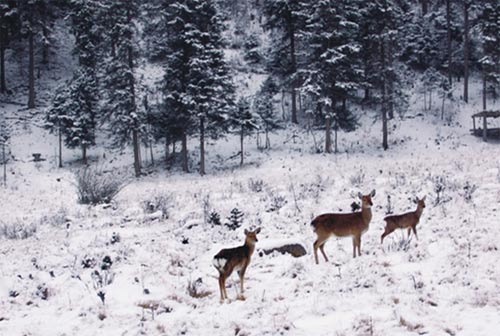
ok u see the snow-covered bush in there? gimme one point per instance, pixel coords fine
(159, 201)
(17, 230)
(95, 186)
(235, 219)
(256, 185)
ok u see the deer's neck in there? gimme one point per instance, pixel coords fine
(366, 214)
(419, 211)
(250, 246)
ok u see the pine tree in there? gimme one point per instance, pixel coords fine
(333, 58)
(286, 16)
(121, 110)
(490, 40)
(383, 18)
(198, 87)
(244, 122)
(57, 119)
(265, 109)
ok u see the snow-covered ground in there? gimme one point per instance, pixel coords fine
(445, 283)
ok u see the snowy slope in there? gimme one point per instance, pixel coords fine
(445, 283)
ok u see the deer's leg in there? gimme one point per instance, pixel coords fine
(387, 231)
(354, 247)
(409, 232)
(322, 249)
(414, 228)
(241, 274)
(315, 249)
(359, 246)
(221, 287)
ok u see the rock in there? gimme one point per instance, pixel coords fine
(295, 249)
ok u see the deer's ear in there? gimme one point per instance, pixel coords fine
(246, 232)
(372, 194)
(360, 195)
(257, 230)
(423, 198)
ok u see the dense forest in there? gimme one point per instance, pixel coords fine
(323, 64)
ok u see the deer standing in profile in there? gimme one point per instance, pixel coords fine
(343, 225)
(407, 220)
(237, 258)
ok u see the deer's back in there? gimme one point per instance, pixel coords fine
(402, 221)
(233, 257)
(340, 224)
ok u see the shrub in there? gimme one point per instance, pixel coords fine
(235, 219)
(18, 230)
(95, 186)
(256, 185)
(214, 218)
(158, 202)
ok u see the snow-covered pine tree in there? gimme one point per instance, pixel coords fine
(120, 107)
(264, 108)
(490, 40)
(286, 17)
(333, 60)
(211, 90)
(57, 119)
(198, 88)
(244, 122)
(383, 20)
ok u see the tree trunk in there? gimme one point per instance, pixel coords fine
(390, 83)
(328, 134)
(384, 99)
(466, 51)
(135, 131)
(484, 90)
(4, 165)
(268, 142)
(283, 110)
(45, 44)
(3, 43)
(60, 146)
(167, 147)
(448, 39)
(31, 71)
(293, 70)
(184, 154)
(151, 153)
(137, 149)
(84, 154)
(242, 137)
(202, 146)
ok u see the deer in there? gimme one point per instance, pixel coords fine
(343, 225)
(407, 220)
(227, 260)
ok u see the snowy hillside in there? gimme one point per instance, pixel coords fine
(445, 283)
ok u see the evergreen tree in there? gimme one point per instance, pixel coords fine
(287, 17)
(333, 57)
(244, 122)
(383, 18)
(490, 40)
(198, 89)
(57, 119)
(265, 109)
(126, 119)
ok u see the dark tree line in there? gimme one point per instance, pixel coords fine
(327, 58)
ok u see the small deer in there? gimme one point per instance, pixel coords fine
(343, 225)
(407, 220)
(235, 258)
